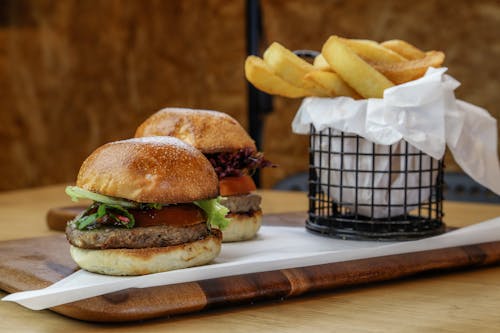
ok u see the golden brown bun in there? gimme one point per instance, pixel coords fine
(242, 226)
(157, 169)
(149, 260)
(208, 131)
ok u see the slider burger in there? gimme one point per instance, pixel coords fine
(154, 201)
(232, 153)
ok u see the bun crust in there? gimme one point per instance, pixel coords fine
(149, 260)
(157, 169)
(208, 131)
(242, 227)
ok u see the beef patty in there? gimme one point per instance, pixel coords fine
(134, 238)
(242, 203)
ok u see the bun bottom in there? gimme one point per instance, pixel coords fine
(242, 226)
(148, 260)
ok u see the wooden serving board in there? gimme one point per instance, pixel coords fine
(35, 263)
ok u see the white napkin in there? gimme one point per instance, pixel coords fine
(274, 248)
(423, 112)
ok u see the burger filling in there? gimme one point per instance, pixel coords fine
(237, 163)
(119, 223)
(137, 237)
(236, 186)
(249, 202)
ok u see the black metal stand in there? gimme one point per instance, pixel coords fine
(360, 190)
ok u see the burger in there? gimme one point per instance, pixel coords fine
(154, 202)
(232, 153)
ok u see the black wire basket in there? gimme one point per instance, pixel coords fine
(364, 191)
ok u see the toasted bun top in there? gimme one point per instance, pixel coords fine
(208, 131)
(156, 170)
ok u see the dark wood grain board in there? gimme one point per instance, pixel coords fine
(57, 217)
(38, 262)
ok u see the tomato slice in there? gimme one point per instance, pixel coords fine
(236, 185)
(175, 215)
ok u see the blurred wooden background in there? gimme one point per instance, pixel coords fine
(76, 74)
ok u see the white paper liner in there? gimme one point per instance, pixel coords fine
(374, 203)
(274, 248)
(423, 112)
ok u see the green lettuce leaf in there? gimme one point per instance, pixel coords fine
(77, 193)
(86, 221)
(104, 215)
(216, 213)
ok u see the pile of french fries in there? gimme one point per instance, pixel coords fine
(356, 68)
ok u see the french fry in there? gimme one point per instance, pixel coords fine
(263, 78)
(314, 89)
(405, 71)
(358, 74)
(321, 64)
(372, 51)
(291, 68)
(405, 49)
(332, 83)
(286, 64)
(357, 68)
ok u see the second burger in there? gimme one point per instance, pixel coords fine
(232, 153)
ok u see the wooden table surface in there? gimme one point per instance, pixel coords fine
(464, 301)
